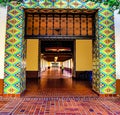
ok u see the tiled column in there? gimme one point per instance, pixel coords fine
(107, 51)
(13, 50)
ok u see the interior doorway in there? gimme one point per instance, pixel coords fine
(74, 55)
(57, 56)
(61, 44)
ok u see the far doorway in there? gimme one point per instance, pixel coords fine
(56, 59)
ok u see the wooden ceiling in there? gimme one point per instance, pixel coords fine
(62, 55)
(81, 11)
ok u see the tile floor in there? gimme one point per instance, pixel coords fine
(60, 106)
(53, 83)
(61, 96)
(58, 88)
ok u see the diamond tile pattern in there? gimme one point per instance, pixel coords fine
(104, 50)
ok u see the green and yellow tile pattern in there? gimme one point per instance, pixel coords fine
(104, 46)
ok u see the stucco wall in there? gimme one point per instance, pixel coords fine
(117, 42)
(3, 12)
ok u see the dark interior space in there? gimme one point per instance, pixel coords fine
(84, 76)
(60, 48)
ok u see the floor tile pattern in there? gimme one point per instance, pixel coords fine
(61, 106)
(52, 92)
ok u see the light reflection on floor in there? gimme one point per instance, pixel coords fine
(55, 73)
(54, 83)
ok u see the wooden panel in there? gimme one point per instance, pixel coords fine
(89, 26)
(36, 25)
(70, 24)
(50, 25)
(31, 74)
(1, 86)
(63, 25)
(56, 25)
(83, 25)
(59, 24)
(77, 25)
(29, 25)
(43, 25)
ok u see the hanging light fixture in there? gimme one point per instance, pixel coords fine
(55, 58)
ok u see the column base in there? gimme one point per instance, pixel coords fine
(118, 87)
(14, 95)
(1, 86)
(107, 95)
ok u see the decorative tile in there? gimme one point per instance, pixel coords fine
(75, 4)
(60, 4)
(104, 50)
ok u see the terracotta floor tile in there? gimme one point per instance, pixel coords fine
(63, 97)
(68, 106)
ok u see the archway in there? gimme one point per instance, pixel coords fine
(103, 70)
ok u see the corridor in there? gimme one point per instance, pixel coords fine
(55, 73)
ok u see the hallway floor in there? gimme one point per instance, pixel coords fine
(55, 84)
(59, 96)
